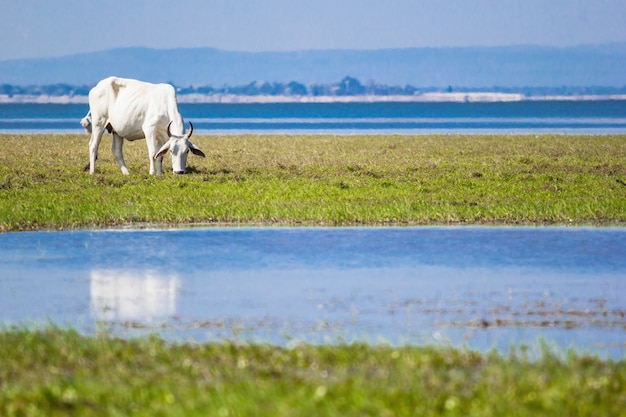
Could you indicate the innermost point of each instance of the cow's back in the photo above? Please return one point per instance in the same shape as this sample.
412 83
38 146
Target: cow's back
131 104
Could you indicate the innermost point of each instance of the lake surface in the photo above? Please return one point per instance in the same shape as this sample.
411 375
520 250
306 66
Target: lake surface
585 117
481 287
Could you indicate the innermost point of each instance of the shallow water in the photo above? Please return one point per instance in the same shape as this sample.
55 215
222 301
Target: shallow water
483 287
573 117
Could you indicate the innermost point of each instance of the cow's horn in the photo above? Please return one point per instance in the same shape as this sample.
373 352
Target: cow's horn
168 130
190 130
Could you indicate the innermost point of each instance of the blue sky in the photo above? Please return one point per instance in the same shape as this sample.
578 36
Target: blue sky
37 28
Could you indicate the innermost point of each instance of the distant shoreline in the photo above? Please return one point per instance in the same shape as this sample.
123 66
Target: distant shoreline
434 97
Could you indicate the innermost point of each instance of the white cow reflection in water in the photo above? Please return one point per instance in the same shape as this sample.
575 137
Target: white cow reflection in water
142 296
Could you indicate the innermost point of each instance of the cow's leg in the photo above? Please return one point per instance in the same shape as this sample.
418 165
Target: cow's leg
94 143
156 166
158 162
116 148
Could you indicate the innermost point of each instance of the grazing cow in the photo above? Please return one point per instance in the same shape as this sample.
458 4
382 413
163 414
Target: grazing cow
131 110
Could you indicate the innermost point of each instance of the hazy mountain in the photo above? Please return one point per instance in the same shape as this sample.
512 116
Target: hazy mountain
512 66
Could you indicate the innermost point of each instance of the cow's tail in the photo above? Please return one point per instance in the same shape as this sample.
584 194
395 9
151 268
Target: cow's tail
86 122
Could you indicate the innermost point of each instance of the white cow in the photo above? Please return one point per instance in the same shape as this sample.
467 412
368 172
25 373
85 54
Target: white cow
132 109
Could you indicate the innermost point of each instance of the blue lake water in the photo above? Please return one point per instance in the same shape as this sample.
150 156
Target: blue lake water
481 287
584 117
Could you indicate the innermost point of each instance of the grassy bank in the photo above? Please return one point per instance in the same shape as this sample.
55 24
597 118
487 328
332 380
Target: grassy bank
53 372
321 179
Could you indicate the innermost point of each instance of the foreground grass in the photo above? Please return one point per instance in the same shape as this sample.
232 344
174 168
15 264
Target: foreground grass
53 372
321 179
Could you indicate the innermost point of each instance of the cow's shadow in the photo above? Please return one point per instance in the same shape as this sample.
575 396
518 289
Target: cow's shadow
192 170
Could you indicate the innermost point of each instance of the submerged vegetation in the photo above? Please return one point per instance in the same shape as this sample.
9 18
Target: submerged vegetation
53 372
321 179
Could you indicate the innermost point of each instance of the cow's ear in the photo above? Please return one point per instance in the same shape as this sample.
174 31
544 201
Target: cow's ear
163 150
195 150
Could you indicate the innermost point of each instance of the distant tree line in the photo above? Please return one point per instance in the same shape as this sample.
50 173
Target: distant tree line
45 90
348 86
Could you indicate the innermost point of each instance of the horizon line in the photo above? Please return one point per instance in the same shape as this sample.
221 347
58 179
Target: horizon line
304 50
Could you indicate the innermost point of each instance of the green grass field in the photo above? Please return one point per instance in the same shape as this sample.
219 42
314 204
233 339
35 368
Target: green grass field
329 180
54 372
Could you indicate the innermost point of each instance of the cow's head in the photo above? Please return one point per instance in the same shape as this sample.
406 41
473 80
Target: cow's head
179 147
